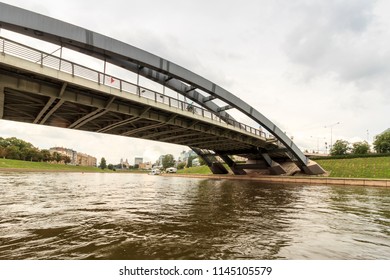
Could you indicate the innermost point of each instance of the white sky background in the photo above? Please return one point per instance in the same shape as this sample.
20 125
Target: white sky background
303 64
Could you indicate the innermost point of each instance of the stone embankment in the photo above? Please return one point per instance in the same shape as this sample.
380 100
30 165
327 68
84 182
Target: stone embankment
296 180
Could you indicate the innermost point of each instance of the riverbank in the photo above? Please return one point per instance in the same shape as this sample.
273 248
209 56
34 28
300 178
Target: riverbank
204 172
28 166
293 179
351 168
10 165
363 167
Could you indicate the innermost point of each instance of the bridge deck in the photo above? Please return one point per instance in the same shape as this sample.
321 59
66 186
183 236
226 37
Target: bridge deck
44 89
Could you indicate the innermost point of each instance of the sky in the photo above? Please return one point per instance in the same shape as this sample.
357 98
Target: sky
317 69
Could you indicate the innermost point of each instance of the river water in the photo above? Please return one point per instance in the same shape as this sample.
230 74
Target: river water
131 216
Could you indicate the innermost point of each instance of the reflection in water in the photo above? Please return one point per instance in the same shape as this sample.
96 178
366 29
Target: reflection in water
127 216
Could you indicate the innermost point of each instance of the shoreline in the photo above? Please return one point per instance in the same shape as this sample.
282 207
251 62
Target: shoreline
369 182
31 170
39 170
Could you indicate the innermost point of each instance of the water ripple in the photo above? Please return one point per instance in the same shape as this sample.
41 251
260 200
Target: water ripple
127 216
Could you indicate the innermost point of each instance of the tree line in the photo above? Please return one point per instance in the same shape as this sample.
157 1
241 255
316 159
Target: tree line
14 148
381 145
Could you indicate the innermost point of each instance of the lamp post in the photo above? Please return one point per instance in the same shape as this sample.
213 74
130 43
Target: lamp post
331 134
318 142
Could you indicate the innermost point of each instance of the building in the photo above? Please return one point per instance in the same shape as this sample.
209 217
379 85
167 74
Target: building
75 157
160 160
124 164
65 152
185 155
138 160
86 160
145 165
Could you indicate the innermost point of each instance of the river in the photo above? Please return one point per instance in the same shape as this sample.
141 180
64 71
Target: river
133 216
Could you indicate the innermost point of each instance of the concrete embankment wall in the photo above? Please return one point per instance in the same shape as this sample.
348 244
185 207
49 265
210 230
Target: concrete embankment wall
297 180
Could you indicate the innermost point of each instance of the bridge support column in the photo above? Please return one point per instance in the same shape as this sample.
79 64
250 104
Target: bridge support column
233 166
274 167
215 166
2 97
218 168
313 168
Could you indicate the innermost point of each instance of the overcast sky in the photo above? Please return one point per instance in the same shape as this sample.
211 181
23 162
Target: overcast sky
305 65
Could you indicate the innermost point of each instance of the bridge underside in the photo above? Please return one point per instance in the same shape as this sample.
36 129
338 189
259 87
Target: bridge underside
31 97
52 99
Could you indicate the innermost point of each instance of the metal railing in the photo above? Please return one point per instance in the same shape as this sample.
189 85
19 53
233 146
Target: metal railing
15 49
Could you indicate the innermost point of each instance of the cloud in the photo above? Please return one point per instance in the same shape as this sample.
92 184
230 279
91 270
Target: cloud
343 38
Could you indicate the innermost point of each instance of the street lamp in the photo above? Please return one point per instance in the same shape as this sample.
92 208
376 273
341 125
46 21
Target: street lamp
318 142
331 132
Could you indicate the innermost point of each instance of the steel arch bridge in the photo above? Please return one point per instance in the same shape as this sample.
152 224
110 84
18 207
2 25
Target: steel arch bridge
225 139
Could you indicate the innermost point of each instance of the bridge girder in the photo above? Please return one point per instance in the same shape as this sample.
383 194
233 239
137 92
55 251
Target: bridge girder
146 64
91 110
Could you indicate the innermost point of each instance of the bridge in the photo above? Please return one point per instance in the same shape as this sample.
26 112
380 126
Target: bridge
44 88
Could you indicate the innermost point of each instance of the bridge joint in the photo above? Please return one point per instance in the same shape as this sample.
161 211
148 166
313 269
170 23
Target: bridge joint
208 98
224 108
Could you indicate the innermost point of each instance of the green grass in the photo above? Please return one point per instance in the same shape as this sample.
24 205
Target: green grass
375 167
27 165
203 169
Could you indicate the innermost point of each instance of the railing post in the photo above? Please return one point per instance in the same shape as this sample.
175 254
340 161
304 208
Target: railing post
41 59
59 66
120 85
3 46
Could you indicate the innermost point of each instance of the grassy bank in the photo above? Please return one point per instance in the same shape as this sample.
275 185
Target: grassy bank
44 166
204 169
374 167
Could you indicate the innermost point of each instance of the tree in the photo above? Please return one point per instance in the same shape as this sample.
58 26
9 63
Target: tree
382 142
201 161
189 160
181 165
103 163
3 148
110 166
168 161
3 152
360 148
339 148
46 156
67 159
13 152
57 157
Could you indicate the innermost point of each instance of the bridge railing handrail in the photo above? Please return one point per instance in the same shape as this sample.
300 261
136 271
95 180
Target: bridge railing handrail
16 49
